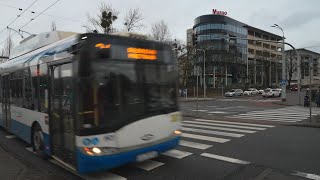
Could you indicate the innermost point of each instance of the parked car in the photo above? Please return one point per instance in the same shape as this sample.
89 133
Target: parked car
271 93
251 91
261 91
234 92
294 87
278 89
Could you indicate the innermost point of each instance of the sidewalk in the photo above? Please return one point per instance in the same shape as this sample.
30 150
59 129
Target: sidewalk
13 169
10 168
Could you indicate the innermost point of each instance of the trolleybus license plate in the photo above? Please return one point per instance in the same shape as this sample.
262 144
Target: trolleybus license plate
145 156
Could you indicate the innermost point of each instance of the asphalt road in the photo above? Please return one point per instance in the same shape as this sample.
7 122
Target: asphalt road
227 106
209 149
253 108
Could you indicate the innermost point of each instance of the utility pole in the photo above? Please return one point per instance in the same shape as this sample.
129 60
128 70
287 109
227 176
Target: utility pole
204 71
310 92
284 85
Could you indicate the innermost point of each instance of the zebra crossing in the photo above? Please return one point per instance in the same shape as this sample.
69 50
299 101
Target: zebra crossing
288 115
213 131
197 134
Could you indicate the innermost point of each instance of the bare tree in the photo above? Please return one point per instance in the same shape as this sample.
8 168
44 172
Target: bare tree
6 50
8 46
185 56
2 57
291 65
185 65
160 31
102 22
53 26
133 19
265 67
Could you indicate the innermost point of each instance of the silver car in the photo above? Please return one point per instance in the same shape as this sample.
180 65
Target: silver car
234 92
251 91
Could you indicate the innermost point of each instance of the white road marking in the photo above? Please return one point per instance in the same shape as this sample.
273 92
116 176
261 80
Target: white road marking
205 138
213 132
200 110
276 115
217 112
226 125
218 128
307 175
177 153
281 113
194 145
30 149
149 165
223 158
10 136
237 123
226 107
277 118
268 119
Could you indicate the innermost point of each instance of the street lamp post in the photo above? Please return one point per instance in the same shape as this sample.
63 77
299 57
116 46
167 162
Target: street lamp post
283 93
204 71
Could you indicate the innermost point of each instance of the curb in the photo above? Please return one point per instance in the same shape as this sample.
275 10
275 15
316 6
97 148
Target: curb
317 125
282 104
198 100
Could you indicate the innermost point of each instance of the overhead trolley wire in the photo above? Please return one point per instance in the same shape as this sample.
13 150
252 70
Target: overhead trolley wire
31 20
18 16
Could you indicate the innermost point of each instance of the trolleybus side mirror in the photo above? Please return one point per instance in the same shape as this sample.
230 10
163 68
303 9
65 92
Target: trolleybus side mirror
74 48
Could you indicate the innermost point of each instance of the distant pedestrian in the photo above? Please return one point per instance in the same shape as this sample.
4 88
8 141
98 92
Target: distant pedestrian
180 93
185 93
308 92
307 98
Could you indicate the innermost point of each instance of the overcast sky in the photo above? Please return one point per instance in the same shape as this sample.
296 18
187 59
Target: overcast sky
300 19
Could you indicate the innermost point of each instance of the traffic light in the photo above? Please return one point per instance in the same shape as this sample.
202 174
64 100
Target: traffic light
194 39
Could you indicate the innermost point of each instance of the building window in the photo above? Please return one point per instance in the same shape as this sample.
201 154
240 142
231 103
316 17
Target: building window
258 35
251 51
266 45
265 37
259 53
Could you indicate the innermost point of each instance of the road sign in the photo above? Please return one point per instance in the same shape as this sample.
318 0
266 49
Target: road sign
284 82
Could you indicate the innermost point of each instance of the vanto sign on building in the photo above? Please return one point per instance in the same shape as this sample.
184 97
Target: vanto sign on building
215 11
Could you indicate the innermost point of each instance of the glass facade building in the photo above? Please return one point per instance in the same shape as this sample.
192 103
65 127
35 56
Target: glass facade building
223 40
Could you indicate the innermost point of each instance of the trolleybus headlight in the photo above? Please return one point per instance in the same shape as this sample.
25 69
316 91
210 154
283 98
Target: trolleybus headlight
96 150
88 151
177 132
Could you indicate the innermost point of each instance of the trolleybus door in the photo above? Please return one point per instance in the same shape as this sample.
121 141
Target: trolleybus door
61 119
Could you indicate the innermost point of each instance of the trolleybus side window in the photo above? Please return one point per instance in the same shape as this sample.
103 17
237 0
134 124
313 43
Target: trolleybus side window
35 88
16 88
43 89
